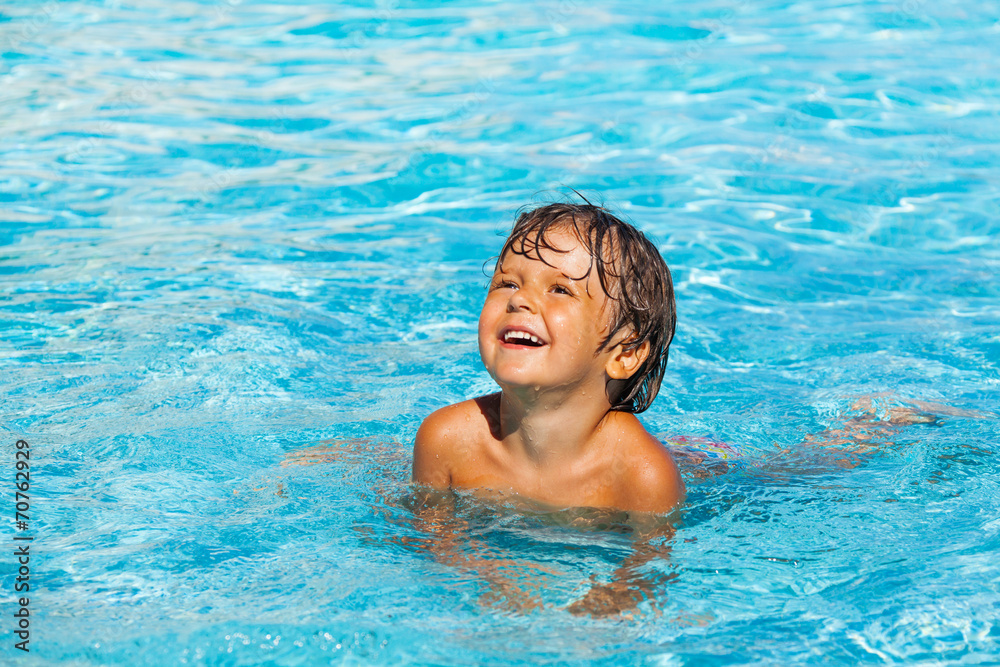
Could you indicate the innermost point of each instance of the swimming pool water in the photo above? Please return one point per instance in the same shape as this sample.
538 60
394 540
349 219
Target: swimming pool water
232 230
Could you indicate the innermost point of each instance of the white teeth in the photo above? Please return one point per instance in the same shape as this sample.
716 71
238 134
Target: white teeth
510 335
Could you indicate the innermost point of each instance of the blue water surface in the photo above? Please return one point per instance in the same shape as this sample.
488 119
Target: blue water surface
232 231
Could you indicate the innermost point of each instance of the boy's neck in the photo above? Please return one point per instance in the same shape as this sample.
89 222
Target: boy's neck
550 430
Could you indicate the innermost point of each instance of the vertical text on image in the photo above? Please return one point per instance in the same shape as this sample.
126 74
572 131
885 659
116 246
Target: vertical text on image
22 543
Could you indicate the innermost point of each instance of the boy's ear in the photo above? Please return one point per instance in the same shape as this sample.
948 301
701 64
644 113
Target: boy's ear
625 362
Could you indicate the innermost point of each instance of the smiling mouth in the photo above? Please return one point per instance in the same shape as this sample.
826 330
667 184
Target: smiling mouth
522 338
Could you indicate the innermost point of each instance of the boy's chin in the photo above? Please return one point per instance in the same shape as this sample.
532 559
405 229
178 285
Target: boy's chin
516 383
513 383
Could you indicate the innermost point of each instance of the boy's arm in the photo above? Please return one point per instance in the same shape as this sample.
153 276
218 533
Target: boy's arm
629 586
658 484
449 540
430 451
653 481
653 490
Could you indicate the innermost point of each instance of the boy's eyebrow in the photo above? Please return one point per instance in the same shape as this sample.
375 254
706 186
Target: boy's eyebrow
584 279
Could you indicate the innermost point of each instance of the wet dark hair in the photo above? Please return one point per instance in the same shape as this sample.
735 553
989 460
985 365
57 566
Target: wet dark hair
631 272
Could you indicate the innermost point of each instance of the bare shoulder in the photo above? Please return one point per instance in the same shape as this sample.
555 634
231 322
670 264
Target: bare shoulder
652 482
443 436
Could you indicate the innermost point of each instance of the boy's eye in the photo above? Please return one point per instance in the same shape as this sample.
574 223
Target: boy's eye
502 284
559 289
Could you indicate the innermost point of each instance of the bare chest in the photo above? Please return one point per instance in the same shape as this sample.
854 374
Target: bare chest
492 473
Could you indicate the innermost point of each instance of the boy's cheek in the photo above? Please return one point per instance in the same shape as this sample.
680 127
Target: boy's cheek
488 315
487 352
484 332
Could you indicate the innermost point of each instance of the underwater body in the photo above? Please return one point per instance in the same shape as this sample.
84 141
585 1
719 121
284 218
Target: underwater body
244 246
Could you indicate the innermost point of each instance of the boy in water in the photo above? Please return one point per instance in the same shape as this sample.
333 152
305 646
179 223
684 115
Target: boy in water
575 330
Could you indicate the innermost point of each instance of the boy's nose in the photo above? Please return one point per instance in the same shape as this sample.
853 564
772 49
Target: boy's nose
521 300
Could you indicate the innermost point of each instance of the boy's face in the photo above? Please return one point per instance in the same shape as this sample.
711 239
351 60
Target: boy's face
541 324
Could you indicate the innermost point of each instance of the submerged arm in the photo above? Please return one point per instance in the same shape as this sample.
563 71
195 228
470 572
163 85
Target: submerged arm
511 582
629 586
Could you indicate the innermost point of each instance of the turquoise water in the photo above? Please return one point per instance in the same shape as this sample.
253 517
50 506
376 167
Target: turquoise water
230 231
